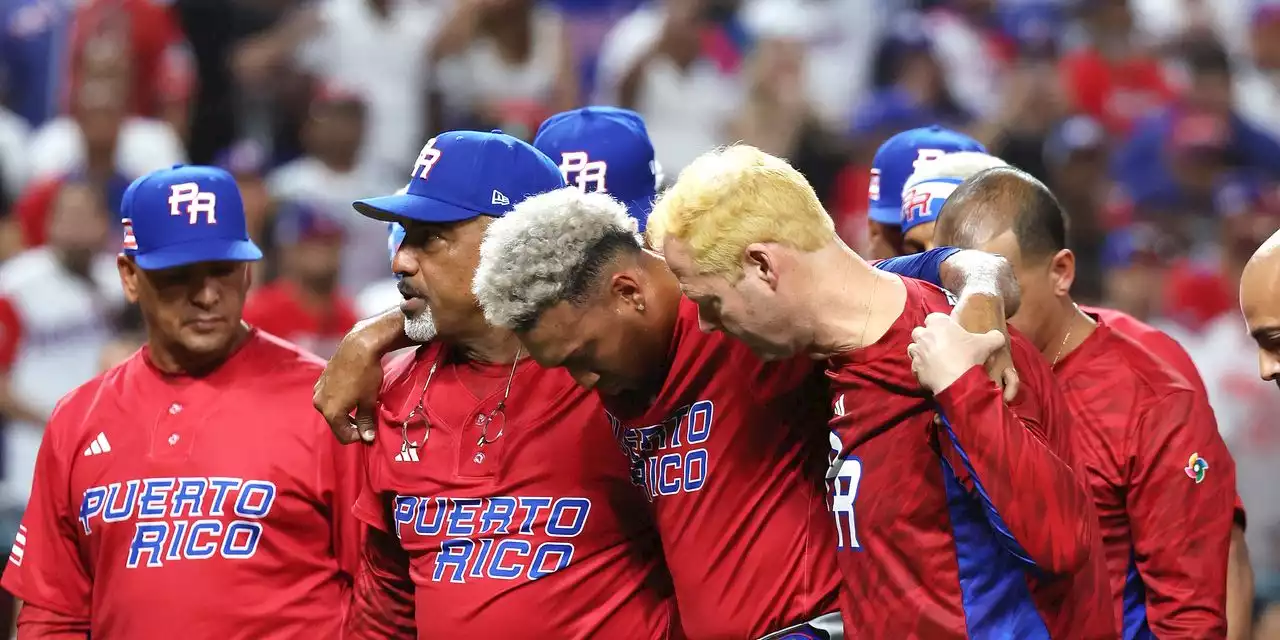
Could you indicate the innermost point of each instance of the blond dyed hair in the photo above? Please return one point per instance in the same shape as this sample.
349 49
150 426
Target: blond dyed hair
732 197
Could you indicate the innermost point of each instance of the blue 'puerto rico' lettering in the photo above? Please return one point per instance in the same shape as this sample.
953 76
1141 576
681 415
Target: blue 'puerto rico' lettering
487 537
665 458
182 518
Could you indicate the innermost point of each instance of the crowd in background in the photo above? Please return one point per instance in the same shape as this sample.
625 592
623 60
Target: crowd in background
1156 122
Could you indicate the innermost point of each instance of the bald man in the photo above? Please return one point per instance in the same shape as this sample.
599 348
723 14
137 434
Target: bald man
1161 476
1260 302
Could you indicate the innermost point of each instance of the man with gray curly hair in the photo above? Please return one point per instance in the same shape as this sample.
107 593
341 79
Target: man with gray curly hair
720 440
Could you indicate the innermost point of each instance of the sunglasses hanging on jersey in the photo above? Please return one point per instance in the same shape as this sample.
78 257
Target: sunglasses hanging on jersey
497 414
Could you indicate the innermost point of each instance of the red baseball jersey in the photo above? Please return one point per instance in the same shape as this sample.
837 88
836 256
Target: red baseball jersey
732 454
167 504
538 534
974 528
1164 347
1163 483
278 308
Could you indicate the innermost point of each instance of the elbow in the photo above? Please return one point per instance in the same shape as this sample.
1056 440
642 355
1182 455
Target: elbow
1009 289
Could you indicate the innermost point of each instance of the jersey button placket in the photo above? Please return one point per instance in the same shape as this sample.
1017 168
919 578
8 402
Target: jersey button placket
170 437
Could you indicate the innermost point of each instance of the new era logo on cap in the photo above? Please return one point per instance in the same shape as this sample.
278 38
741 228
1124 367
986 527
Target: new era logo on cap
185 215
604 149
460 175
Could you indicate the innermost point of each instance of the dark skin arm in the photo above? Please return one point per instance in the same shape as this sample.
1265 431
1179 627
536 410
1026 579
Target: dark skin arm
353 376
987 294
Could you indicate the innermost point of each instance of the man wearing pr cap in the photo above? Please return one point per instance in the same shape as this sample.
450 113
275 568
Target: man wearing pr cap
152 515
894 162
468 429
605 149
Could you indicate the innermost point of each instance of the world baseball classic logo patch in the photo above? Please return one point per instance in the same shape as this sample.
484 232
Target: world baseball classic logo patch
1196 468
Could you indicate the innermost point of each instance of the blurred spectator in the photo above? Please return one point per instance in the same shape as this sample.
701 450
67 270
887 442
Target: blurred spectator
842 39
912 90
330 178
128 334
246 161
1257 76
1171 23
777 116
13 157
100 136
56 306
506 64
1033 102
161 71
1178 157
1075 161
383 293
1113 78
380 50
972 51
667 61
303 305
33 36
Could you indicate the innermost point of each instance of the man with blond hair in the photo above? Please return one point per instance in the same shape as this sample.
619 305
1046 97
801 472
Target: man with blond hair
933 520
718 439
927 189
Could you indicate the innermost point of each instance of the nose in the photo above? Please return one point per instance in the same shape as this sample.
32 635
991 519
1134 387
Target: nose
207 293
402 262
1269 365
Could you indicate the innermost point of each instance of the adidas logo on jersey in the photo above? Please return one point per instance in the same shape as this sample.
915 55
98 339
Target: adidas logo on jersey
98 446
838 410
407 454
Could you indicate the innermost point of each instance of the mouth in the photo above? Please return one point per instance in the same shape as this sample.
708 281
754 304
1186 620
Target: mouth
206 324
414 302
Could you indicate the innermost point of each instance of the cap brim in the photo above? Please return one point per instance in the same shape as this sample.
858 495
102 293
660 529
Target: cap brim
398 208
196 251
885 215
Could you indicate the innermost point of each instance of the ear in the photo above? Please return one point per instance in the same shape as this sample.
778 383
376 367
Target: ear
128 277
1062 272
625 287
760 261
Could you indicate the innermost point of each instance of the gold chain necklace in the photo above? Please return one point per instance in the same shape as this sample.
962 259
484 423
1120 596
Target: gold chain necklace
499 411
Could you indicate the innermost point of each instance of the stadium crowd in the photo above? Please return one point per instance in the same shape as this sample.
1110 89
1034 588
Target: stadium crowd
1155 122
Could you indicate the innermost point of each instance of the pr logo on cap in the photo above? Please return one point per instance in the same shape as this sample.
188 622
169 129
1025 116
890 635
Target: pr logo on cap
197 201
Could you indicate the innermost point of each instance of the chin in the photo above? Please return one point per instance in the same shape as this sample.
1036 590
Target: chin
208 343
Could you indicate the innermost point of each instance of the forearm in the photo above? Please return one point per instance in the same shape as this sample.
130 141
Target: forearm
968 273
383 333
1009 465
1240 590
37 623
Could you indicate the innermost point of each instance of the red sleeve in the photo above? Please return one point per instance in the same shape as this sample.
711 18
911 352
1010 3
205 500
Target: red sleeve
346 481
1181 481
10 334
1006 456
36 623
45 568
383 603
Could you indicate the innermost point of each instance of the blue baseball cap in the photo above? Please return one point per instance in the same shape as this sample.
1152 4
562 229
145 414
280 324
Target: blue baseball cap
923 202
460 175
896 160
300 221
184 215
604 149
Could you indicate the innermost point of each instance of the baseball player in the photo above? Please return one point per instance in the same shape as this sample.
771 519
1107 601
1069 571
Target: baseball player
719 439
152 516
497 502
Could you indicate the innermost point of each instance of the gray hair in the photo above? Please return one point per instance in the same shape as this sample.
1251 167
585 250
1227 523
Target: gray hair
552 247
